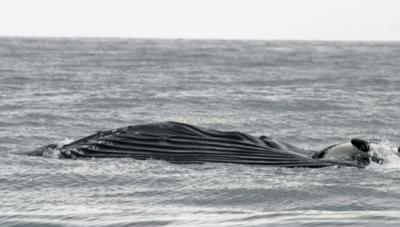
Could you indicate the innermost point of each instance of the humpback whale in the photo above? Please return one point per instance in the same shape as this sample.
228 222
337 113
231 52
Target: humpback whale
188 144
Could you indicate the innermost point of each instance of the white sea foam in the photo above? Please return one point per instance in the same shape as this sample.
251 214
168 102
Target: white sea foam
55 152
51 153
64 142
386 151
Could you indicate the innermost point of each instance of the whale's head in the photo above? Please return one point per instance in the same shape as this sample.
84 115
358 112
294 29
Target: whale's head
41 151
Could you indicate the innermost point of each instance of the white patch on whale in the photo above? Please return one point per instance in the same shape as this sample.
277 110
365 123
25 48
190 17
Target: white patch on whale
342 152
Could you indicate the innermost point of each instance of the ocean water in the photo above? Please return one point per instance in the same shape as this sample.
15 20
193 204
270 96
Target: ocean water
309 94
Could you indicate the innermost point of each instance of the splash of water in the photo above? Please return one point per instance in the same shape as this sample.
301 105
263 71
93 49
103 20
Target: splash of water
55 152
386 151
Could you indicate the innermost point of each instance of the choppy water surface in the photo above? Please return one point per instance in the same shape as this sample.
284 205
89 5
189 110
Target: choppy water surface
310 94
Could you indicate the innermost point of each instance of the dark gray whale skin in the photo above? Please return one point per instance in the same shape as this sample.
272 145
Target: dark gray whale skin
188 144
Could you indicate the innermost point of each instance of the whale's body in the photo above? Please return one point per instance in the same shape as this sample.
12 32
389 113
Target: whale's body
187 144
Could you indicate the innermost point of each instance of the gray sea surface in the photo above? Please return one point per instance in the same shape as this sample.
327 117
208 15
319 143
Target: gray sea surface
309 94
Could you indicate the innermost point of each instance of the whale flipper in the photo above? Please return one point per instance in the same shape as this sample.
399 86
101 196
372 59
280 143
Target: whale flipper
362 145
